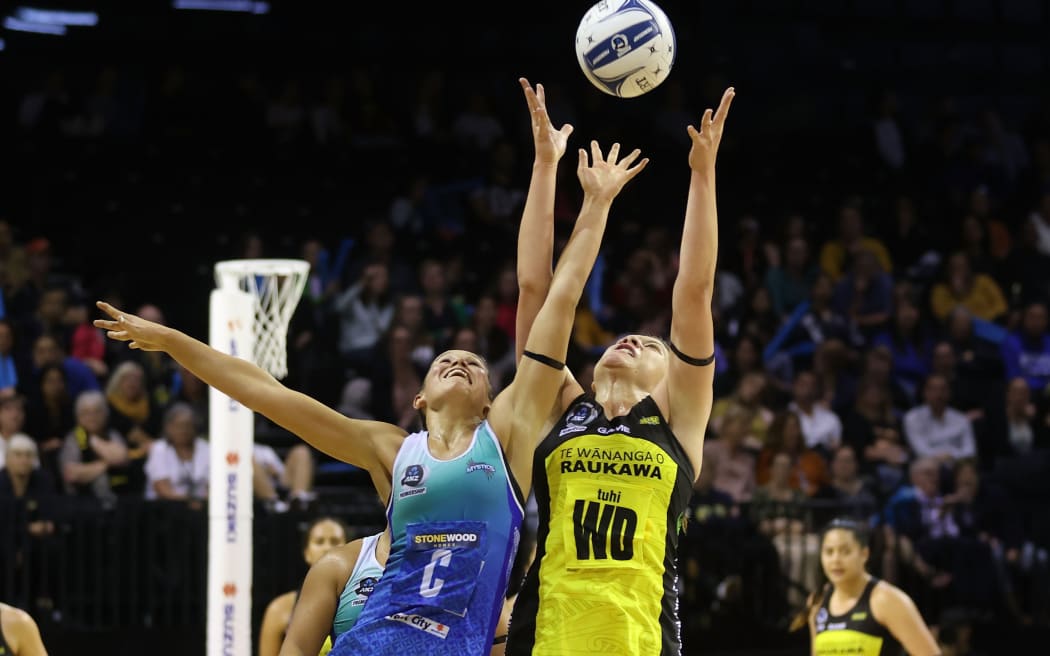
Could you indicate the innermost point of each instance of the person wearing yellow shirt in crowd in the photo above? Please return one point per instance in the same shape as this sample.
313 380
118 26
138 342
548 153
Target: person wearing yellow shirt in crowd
836 254
977 292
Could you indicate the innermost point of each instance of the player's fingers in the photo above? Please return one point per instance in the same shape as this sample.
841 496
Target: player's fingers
723 107
692 132
614 153
706 121
596 153
636 169
630 158
566 130
119 335
541 95
583 160
108 309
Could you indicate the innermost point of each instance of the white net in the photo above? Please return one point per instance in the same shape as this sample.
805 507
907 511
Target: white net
277 286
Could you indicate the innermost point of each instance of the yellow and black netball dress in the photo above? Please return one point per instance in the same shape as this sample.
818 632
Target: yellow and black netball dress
855 632
611 494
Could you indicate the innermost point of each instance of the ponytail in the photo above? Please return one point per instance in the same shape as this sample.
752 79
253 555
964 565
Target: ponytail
812 601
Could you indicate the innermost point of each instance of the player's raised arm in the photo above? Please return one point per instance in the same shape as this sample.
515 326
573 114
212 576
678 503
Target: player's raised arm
370 445
536 232
541 372
690 376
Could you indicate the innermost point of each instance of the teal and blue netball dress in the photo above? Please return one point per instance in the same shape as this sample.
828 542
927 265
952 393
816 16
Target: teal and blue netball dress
358 588
455 527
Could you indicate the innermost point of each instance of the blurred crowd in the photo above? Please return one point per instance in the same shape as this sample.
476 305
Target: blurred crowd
883 350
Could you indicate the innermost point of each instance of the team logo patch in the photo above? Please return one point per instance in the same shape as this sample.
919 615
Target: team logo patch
584 413
651 420
413 475
421 623
821 619
365 586
481 466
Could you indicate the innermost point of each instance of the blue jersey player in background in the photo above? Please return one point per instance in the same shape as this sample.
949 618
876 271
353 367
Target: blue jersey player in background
454 509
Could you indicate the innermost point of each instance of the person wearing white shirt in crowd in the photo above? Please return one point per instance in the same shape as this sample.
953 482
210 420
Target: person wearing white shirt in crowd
177 467
821 428
936 430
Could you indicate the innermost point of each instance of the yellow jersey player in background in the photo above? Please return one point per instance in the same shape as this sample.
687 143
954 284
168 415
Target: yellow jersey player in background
857 613
615 469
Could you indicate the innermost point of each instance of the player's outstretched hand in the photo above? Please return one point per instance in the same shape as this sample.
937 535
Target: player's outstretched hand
124 327
705 140
550 143
606 175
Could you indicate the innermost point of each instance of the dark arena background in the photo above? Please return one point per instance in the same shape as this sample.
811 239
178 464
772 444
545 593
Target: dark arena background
391 141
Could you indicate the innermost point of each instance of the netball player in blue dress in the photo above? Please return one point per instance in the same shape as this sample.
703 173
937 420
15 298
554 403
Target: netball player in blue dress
454 508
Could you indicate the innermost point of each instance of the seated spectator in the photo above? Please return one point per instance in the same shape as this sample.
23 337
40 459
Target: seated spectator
12 420
274 479
850 493
875 433
914 517
94 457
365 312
86 343
960 286
778 509
851 239
1013 430
732 463
910 345
821 428
178 464
745 357
1026 352
22 478
789 283
745 399
132 411
9 364
864 295
937 430
971 377
807 469
79 377
49 416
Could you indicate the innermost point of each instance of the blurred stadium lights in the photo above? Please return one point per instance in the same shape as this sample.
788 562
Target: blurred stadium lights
57 17
242 6
18 25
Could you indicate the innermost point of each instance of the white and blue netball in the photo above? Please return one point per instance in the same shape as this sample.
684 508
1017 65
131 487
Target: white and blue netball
625 47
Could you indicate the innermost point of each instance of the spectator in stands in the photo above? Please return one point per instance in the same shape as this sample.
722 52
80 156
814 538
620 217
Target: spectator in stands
745 358
961 286
745 399
821 428
10 366
976 370
807 468
910 344
365 312
274 479
86 342
836 253
12 420
132 411
864 295
915 521
789 283
875 433
178 464
778 509
79 377
937 430
850 493
731 462
49 416
22 478
1026 352
94 457
1014 430
159 368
